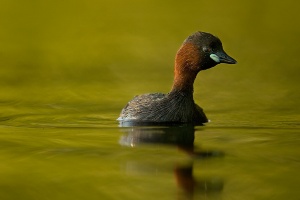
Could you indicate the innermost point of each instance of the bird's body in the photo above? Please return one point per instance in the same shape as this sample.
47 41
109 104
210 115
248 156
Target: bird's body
158 107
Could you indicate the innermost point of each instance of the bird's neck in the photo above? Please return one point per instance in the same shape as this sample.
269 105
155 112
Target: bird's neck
183 81
186 68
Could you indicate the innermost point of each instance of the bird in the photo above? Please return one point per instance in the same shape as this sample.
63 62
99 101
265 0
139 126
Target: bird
199 51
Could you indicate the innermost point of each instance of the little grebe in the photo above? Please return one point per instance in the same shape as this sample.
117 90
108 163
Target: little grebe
199 51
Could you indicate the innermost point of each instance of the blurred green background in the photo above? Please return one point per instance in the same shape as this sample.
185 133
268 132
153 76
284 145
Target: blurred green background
109 51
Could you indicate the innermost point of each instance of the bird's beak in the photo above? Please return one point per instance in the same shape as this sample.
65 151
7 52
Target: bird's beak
222 57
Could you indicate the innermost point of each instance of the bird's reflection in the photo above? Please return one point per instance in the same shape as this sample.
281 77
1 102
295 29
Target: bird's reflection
182 136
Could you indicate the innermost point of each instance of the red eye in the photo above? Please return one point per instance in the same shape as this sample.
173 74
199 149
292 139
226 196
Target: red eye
206 49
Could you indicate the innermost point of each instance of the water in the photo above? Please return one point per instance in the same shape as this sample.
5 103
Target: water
68 68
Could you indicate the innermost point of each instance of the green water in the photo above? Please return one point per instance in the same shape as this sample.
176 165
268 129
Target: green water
68 68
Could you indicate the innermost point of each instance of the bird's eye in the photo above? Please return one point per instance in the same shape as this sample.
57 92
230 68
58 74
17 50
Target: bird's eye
206 49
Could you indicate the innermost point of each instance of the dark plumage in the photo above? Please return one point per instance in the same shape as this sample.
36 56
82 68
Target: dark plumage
199 51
